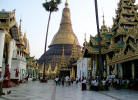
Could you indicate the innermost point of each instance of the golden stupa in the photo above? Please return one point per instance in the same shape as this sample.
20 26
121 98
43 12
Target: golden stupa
66 38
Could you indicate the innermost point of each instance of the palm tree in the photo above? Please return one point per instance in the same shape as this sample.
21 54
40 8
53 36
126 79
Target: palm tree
100 64
50 6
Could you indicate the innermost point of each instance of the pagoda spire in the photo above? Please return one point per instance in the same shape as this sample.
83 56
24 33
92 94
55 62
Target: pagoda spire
103 20
20 25
104 28
66 4
85 41
66 20
85 37
65 34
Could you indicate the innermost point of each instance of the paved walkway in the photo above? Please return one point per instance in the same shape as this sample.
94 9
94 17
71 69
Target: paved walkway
48 91
123 94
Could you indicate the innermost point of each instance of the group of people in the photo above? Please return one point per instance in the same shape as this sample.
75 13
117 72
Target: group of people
109 82
64 81
95 84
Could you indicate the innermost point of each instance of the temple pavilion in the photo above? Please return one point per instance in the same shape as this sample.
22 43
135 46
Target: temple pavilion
119 44
14 50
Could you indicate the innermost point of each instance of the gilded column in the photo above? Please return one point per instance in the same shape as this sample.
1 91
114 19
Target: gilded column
2 39
133 71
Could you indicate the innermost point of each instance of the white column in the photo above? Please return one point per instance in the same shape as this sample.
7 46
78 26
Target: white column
115 70
133 71
94 69
108 71
2 39
11 48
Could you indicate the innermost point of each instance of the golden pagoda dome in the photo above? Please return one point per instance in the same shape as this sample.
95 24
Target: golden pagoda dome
65 34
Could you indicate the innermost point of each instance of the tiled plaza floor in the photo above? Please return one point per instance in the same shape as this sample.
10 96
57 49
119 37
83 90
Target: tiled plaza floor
48 91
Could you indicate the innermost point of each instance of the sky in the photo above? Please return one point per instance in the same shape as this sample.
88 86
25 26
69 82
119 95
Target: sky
34 19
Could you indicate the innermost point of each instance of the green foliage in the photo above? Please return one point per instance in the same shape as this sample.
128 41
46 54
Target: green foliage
51 5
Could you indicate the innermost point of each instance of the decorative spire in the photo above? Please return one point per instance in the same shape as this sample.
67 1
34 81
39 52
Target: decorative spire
103 19
20 25
85 41
66 4
85 37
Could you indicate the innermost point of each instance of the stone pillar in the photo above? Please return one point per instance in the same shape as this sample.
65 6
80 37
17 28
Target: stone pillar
108 71
115 70
133 70
2 39
120 74
94 69
10 51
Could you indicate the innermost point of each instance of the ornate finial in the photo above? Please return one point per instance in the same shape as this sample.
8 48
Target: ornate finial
20 21
85 37
103 20
20 25
85 40
66 4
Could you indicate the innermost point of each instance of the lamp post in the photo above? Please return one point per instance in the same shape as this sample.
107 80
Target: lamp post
100 65
49 6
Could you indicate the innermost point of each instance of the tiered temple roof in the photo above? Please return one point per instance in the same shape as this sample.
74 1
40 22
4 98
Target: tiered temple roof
119 42
8 23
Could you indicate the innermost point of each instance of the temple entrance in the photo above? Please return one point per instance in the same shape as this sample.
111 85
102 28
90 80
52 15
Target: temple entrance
75 68
136 72
136 69
64 73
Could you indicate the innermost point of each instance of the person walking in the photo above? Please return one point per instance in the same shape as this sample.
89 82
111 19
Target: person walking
62 81
84 84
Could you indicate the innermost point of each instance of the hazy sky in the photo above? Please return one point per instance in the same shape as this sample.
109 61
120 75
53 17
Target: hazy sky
34 19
